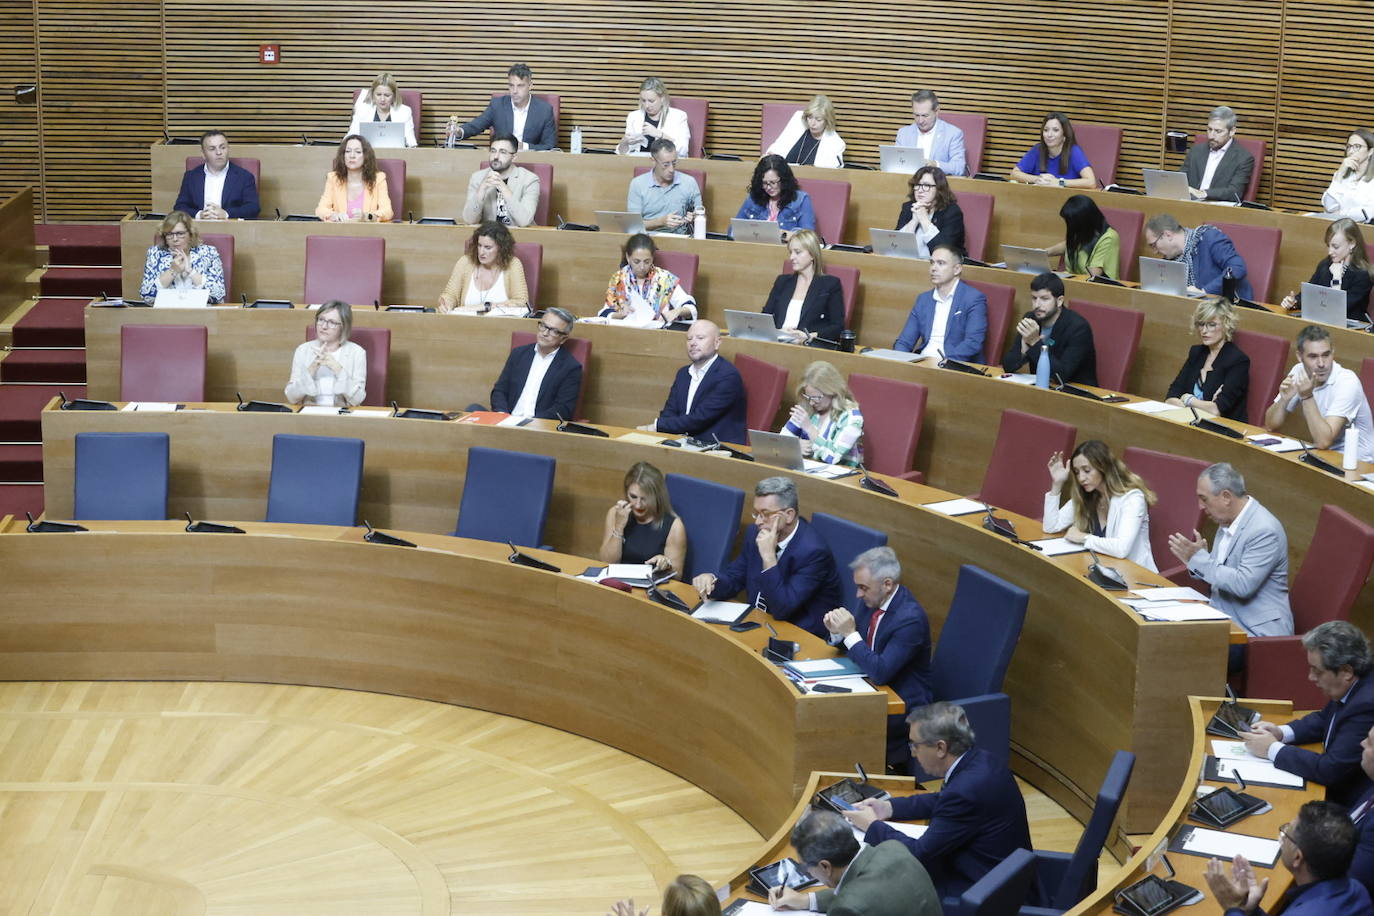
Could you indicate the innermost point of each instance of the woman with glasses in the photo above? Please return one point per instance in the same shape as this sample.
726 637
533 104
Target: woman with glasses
331 370
774 195
807 304
180 261
641 527
1346 266
1090 246
354 188
642 294
1351 192
931 212
826 417
488 279
1057 159
1108 509
1215 379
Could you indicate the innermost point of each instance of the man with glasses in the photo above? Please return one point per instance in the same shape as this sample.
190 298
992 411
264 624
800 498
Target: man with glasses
503 191
219 189
707 399
1317 848
541 380
978 817
939 141
880 880
1339 662
668 200
1208 253
949 319
784 568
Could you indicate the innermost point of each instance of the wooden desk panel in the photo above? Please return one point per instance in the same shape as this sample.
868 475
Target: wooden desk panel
314 605
17 259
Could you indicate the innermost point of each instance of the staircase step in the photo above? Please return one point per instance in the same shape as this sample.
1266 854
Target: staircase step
81 281
21 405
52 367
74 243
16 498
21 463
53 323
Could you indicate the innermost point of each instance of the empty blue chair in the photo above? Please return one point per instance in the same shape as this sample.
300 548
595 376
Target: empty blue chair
1070 878
711 514
846 541
1001 891
976 644
121 476
315 480
506 497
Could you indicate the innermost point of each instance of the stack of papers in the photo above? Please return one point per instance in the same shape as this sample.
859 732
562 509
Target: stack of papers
1055 547
317 410
1253 770
1176 611
148 407
754 908
899 355
827 471
817 669
1219 844
1168 594
369 411
957 506
1020 378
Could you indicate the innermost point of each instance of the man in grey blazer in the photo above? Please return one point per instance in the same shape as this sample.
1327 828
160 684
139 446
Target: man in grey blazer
1247 566
1219 169
502 191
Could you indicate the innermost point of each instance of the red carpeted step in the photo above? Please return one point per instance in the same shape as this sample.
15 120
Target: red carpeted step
53 323
20 406
70 243
16 499
50 366
21 463
80 281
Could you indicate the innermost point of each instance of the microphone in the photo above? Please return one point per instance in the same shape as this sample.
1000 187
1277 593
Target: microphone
732 452
1106 577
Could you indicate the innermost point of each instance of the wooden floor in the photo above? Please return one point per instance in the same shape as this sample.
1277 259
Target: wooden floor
191 798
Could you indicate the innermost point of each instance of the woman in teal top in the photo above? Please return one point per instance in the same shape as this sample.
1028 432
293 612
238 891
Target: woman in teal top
1090 246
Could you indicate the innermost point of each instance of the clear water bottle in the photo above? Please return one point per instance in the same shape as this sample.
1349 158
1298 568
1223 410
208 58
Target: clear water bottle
577 140
451 133
1042 367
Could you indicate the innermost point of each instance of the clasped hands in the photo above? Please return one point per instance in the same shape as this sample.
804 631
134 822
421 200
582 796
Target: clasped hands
1029 329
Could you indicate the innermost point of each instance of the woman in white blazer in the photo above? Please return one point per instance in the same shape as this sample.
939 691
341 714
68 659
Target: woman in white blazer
382 102
1108 508
655 117
809 137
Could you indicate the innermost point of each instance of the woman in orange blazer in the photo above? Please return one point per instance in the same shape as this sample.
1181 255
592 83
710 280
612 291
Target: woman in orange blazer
354 189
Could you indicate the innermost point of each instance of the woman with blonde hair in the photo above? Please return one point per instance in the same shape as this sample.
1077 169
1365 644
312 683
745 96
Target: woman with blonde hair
1108 506
641 527
1215 378
1346 267
807 304
179 261
827 418
688 895
809 137
655 117
381 101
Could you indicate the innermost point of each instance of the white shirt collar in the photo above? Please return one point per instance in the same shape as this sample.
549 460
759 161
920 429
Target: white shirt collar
705 367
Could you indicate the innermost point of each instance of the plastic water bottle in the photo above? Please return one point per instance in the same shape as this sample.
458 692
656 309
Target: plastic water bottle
699 225
1042 367
577 140
451 134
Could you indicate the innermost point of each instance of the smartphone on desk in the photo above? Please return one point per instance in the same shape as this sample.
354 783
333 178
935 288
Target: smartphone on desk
744 626
830 688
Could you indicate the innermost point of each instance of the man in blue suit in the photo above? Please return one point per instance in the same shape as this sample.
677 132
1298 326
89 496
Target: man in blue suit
1208 252
978 817
941 141
707 398
541 379
219 189
520 114
1339 662
1362 813
1317 847
951 317
784 567
889 640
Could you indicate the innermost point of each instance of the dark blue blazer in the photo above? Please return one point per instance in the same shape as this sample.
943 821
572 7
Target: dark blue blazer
900 654
977 819
1215 252
541 130
239 200
557 392
800 588
964 332
718 409
1338 766
1362 866
1343 896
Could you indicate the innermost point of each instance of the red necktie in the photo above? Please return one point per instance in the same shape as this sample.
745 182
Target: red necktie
873 624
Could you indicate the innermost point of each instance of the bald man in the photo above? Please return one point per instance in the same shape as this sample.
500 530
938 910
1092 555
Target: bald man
707 398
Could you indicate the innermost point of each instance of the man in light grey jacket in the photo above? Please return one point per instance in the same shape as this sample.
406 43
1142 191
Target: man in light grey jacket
503 192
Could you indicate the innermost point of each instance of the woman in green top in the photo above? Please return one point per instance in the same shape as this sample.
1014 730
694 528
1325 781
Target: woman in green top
1090 246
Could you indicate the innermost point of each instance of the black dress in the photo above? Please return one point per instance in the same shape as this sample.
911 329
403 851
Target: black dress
645 541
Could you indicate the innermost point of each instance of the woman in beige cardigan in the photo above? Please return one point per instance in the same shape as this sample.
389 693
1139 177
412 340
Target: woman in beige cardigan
488 279
355 190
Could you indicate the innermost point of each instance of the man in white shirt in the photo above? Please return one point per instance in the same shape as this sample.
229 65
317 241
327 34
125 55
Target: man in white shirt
522 115
503 191
218 189
541 379
707 399
951 318
939 141
1219 169
1330 396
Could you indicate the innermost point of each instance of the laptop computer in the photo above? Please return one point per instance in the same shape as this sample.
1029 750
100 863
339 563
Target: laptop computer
188 298
756 230
894 243
776 449
1026 260
1160 276
1324 304
384 134
619 221
1166 184
752 326
905 160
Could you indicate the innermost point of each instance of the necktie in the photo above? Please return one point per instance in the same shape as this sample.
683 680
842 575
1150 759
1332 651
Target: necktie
873 625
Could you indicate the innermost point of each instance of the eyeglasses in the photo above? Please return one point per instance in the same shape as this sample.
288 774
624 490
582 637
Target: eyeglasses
772 182
764 514
1354 146
815 398
1285 835
328 323
925 186
176 234
549 329
1208 325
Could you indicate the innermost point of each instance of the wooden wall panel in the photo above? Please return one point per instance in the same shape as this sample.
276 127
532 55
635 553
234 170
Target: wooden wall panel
18 123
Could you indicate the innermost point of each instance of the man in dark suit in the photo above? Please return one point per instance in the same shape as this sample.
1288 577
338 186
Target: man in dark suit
882 880
784 567
950 318
1219 169
1362 813
978 817
520 114
1050 324
1339 662
889 640
1316 847
707 398
541 379
219 189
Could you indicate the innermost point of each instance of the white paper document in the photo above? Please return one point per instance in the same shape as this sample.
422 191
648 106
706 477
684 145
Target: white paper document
1148 406
148 407
912 830
1223 845
754 908
1266 442
720 611
369 411
826 471
1170 595
1055 547
512 421
899 355
1179 612
320 411
820 667
1226 749
1020 378
957 506
1257 770
853 683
